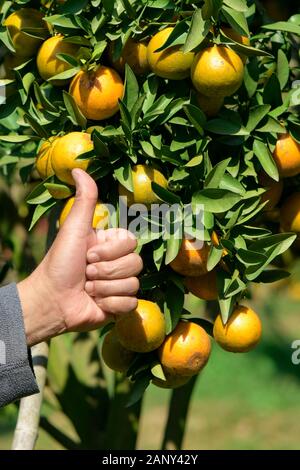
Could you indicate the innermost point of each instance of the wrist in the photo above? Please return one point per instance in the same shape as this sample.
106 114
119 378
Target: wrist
40 313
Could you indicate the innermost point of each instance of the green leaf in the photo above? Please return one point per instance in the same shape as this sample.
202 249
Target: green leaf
272 246
226 308
250 257
165 195
38 129
173 306
198 31
215 256
272 126
40 211
124 176
177 36
239 5
75 115
196 117
131 93
173 246
66 74
17 139
272 275
272 92
215 200
157 371
138 389
225 127
265 158
257 113
216 174
283 26
236 19
196 161
283 70
100 147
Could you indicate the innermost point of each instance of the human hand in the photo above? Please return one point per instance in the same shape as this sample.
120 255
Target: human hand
56 298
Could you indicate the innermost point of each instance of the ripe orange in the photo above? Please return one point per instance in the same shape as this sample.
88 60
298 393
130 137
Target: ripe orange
44 158
101 215
186 350
172 381
65 153
210 105
114 355
142 177
204 287
242 331
287 155
273 192
290 214
191 261
48 64
237 37
97 93
143 329
25 18
170 63
217 71
134 54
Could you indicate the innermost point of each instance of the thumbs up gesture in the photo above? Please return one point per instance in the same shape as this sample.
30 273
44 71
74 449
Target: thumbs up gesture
85 277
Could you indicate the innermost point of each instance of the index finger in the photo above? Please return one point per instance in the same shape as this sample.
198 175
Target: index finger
112 248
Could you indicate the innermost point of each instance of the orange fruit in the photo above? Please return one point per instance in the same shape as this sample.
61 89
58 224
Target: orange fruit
172 381
143 329
170 63
204 287
287 155
100 219
9 64
242 331
210 105
134 54
142 177
237 37
97 93
48 64
186 350
191 261
65 153
44 158
114 355
26 18
217 71
290 214
273 191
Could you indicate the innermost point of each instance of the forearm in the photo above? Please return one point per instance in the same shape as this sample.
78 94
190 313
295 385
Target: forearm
16 375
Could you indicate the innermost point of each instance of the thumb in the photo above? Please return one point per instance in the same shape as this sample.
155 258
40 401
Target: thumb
81 215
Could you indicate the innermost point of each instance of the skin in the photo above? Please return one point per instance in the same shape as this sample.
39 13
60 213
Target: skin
94 278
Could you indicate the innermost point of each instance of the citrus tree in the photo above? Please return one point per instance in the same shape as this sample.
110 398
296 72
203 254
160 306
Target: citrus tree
185 113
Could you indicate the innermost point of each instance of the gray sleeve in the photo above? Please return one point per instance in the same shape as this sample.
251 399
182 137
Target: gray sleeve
17 379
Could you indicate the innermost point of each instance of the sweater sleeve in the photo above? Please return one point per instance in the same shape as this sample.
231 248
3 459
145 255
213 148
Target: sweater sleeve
17 378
